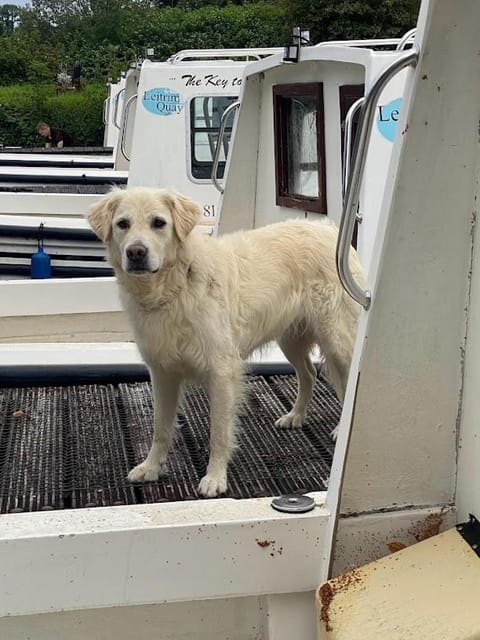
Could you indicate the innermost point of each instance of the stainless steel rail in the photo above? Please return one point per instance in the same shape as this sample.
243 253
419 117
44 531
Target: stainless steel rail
216 156
406 39
350 205
105 110
125 126
373 42
115 112
224 54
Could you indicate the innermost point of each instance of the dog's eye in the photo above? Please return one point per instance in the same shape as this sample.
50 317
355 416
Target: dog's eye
158 223
123 224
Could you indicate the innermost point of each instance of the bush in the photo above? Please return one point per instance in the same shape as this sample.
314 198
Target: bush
13 66
78 112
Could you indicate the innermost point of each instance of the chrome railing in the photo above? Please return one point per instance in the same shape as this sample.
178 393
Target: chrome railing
105 110
125 126
350 205
221 133
115 111
224 54
406 39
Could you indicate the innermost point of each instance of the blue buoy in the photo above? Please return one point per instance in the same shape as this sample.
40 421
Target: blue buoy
40 266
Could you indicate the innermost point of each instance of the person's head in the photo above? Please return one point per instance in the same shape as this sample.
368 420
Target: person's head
43 129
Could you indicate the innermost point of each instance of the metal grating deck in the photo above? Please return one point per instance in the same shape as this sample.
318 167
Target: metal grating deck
71 447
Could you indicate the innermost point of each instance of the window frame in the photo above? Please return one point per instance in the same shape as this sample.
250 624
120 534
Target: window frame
285 198
348 94
192 163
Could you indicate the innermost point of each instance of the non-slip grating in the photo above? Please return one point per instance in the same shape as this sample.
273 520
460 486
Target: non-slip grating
71 447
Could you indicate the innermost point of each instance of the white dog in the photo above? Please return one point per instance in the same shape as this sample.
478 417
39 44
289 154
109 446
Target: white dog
200 305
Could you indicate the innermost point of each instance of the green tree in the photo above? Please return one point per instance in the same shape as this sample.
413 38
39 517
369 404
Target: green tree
9 19
351 20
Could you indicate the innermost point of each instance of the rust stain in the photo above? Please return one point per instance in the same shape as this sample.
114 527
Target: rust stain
329 590
264 543
346 580
326 597
430 526
395 546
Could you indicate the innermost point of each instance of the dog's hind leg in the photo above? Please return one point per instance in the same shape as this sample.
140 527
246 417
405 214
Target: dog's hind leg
166 397
337 347
296 350
225 384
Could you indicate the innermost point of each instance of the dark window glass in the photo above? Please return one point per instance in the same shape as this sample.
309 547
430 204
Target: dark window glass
205 116
348 95
299 146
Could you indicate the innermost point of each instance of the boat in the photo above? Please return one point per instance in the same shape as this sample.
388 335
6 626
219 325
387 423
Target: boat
405 464
56 189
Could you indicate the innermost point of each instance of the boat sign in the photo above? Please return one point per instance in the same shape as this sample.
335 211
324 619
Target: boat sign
387 118
162 101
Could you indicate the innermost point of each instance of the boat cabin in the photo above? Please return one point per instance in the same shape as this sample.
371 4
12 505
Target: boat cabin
406 463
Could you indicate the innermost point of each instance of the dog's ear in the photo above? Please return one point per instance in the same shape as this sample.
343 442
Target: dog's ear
100 215
185 213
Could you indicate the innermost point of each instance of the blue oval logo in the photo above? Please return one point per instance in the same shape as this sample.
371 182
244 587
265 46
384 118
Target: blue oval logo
387 118
163 101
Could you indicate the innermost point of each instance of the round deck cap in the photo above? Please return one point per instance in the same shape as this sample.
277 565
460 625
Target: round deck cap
293 504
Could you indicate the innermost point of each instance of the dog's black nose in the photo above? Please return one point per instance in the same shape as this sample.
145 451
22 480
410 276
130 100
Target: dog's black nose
136 252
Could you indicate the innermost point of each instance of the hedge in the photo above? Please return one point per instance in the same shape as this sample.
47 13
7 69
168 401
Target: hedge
78 112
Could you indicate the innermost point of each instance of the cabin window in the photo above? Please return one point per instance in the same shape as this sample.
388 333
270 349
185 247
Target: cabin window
348 95
205 115
300 146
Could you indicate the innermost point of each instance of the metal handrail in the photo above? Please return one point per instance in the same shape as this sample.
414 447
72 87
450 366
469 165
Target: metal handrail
197 54
106 103
406 39
373 42
347 142
125 126
359 155
115 111
216 156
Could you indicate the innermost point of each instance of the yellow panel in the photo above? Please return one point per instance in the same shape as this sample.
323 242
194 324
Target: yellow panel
429 591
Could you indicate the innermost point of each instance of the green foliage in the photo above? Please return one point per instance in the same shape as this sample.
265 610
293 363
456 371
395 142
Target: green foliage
13 66
350 20
9 18
78 112
105 35
253 25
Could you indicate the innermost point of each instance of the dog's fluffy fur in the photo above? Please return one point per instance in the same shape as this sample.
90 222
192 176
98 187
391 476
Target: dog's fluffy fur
200 305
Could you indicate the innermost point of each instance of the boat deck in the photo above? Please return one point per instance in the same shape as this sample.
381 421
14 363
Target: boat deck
72 446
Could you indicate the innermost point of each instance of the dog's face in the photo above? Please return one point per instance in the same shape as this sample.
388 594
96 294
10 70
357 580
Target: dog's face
142 227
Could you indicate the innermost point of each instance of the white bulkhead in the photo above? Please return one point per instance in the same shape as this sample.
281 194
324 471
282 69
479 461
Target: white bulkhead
112 111
340 74
178 111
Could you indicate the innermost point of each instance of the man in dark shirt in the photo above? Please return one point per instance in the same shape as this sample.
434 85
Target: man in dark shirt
54 137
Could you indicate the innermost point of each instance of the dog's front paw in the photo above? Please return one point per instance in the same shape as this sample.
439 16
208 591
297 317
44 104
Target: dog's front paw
213 485
289 421
146 472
